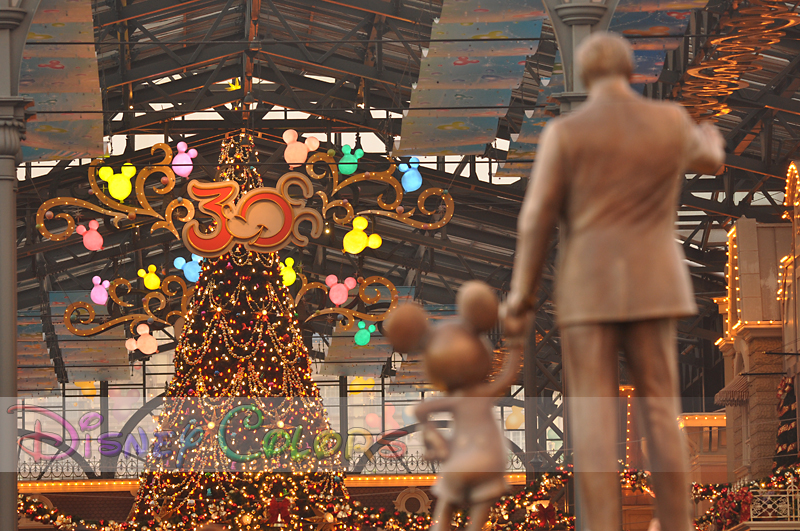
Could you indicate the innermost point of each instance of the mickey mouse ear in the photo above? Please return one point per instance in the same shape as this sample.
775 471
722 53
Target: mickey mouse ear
196 257
96 280
94 225
289 262
312 143
289 136
192 153
414 162
179 262
142 329
128 170
359 153
106 283
151 268
105 173
182 147
80 229
331 280
350 282
142 273
361 325
371 329
403 167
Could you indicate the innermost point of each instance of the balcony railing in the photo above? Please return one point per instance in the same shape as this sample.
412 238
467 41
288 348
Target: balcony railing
775 505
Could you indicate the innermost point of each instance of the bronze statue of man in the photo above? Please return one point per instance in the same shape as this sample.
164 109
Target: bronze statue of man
611 173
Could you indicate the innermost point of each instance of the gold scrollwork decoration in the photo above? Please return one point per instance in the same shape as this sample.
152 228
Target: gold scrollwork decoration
116 210
75 311
387 210
349 314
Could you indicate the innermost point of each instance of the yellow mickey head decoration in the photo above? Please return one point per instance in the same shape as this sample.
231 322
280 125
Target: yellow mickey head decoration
151 280
515 419
357 240
119 184
361 384
288 274
87 388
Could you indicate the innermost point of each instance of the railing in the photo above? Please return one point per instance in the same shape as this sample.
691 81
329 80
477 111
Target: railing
132 467
775 505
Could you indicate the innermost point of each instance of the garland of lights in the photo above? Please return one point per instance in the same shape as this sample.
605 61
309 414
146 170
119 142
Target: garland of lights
532 507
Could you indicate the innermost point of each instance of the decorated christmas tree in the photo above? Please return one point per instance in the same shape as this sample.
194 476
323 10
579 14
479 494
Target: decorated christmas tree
243 438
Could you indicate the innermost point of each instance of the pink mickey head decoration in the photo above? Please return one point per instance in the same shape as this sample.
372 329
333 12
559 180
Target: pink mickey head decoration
339 292
297 152
92 239
99 292
182 163
146 343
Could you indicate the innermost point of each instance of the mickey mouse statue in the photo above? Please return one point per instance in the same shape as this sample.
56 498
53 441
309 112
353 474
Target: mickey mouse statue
457 361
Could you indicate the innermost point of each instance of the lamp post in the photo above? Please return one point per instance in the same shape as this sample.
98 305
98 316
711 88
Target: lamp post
15 19
573 21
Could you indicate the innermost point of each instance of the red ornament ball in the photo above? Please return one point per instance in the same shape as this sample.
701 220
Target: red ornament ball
132 216
399 210
165 180
48 215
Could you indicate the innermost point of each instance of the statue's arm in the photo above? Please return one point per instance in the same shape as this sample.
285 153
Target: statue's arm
537 218
705 149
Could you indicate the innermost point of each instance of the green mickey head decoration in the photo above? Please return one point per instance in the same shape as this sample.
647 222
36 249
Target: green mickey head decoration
364 334
348 164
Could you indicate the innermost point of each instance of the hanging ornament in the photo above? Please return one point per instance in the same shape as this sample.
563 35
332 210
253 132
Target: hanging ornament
348 164
287 273
151 279
412 178
119 184
515 419
339 293
357 240
146 343
92 240
182 163
87 388
361 384
191 270
297 152
364 334
278 510
99 294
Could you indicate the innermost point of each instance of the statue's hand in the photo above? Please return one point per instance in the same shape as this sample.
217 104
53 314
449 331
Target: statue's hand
436 447
515 319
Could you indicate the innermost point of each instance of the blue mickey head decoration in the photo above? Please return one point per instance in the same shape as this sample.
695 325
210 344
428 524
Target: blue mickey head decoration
412 179
191 270
364 334
348 164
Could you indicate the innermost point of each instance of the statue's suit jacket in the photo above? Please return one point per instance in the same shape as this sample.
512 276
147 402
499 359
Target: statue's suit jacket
612 172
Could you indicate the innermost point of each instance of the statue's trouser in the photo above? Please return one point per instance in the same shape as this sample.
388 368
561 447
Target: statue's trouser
592 376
